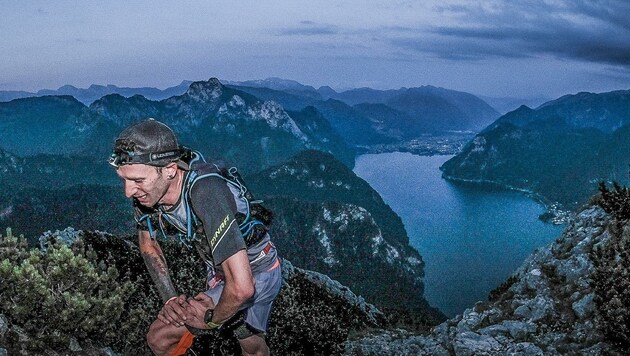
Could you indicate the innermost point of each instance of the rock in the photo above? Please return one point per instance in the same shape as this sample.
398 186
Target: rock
432 347
66 236
494 330
4 352
4 326
587 332
107 351
534 279
494 316
575 268
74 345
524 349
470 343
395 342
470 321
584 307
519 330
535 309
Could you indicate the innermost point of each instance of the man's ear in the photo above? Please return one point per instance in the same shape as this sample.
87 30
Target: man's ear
170 170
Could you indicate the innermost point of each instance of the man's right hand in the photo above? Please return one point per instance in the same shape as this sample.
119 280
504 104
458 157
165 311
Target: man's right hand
174 311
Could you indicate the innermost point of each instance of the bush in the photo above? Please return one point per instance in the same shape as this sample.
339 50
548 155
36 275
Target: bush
55 294
612 267
615 202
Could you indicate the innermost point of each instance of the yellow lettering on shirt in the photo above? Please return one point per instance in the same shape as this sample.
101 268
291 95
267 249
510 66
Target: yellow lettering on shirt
220 231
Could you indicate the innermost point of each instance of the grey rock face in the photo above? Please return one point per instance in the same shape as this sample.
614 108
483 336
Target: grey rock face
4 326
584 307
470 343
525 349
519 330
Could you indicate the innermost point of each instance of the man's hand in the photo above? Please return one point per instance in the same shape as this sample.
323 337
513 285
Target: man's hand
196 310
174 311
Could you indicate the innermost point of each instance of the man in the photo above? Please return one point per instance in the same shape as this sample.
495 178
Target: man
218 217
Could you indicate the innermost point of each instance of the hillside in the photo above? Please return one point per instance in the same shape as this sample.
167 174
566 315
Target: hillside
557 303
333 222
108 300
52 125
558 152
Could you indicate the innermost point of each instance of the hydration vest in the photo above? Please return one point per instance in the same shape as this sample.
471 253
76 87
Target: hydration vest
252 217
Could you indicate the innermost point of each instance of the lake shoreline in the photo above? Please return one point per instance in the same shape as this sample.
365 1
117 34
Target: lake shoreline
554 213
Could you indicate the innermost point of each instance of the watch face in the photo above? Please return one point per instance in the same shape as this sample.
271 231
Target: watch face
208 316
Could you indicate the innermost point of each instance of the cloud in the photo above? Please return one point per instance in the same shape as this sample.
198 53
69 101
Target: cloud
309 28
571 29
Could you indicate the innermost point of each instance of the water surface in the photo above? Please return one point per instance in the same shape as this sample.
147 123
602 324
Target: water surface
471 239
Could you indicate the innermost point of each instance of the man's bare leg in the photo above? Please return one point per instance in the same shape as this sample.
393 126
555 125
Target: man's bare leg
163 338
254 346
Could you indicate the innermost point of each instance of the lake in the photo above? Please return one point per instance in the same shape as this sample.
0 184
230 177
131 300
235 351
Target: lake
471 239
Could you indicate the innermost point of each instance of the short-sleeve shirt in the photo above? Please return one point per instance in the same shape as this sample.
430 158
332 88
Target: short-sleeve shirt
213 204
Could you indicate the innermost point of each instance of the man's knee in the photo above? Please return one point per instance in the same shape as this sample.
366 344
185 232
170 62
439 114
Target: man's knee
156 343
162 337
254 345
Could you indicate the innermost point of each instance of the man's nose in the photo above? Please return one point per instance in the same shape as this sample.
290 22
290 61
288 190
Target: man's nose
130 189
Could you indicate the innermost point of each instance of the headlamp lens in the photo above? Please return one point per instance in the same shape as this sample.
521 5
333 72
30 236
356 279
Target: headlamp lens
118 158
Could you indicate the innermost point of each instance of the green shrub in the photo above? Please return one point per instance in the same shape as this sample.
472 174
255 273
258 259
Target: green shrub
56 294
615 202
612 267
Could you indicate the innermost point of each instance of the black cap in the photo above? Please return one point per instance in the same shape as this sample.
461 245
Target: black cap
146 142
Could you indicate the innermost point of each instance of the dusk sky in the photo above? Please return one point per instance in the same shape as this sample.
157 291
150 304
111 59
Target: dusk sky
494 48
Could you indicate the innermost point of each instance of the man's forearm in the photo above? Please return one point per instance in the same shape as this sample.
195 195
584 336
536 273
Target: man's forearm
228 305
159 274
239 286
156 265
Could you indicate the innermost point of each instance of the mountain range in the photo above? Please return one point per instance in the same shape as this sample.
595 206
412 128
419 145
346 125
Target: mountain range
410 112
402 114
94 92
216 119
296 145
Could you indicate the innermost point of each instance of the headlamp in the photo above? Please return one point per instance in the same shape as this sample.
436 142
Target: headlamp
121 157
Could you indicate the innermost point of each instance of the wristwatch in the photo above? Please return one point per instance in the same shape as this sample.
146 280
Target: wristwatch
208 320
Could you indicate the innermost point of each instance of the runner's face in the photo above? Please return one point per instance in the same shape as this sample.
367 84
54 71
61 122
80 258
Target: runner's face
144 183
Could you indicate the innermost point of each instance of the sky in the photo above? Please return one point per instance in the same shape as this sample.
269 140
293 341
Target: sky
496 48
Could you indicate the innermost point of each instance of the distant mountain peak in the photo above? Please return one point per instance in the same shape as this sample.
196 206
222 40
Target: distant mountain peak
276 83
209 90
68 87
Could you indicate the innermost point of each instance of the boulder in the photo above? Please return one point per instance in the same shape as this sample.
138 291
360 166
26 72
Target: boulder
4 326
584 307
519 330
494 330
470 343
524 349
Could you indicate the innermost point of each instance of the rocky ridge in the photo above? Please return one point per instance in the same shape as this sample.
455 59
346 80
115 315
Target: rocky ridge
546 308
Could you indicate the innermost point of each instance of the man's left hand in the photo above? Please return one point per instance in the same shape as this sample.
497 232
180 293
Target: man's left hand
196 310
